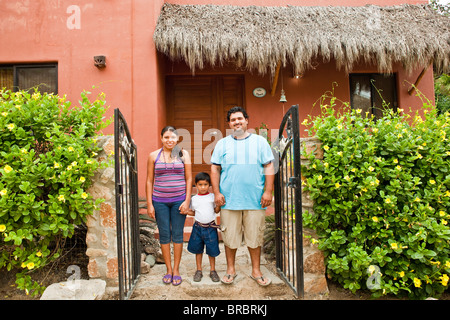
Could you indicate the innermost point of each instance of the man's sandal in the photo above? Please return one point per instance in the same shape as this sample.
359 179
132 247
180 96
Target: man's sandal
263 282
230 278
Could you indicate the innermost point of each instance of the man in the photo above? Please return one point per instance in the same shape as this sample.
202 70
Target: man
242 176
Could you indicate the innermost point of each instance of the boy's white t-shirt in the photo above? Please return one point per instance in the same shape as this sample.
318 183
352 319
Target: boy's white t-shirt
203 206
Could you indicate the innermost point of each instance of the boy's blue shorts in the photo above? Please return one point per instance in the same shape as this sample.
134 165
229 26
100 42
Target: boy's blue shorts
201 237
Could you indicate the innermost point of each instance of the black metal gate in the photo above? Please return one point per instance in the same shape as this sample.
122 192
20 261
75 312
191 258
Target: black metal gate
288 203
127 208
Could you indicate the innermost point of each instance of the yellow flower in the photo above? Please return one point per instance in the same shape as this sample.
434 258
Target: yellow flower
82 179
3 192
358 110
375 219
417 282
319 177
23 150
419 156
71 149
371 168
444 222
340 153
444 279
432 181
394 246
2 228
395 160
8 169
326 148
337 185
30 265
325 164
39 254
74 164
375 130
11 126
55 164
4 114
447 265
442 213
399 168
353 170
447 193
61 198
417 199
305 122
84 195
401 274
388 200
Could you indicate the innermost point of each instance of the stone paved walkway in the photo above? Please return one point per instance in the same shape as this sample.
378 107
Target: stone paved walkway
151 287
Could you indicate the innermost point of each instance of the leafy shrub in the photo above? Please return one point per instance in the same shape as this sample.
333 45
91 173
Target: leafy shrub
382 199
48 155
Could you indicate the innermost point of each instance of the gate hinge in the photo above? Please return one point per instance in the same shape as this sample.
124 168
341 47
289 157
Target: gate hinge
294 182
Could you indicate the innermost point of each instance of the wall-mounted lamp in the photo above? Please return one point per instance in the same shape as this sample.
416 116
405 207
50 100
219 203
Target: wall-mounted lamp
298 75
100 61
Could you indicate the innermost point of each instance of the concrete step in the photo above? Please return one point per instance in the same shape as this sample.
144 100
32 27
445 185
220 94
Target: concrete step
150 286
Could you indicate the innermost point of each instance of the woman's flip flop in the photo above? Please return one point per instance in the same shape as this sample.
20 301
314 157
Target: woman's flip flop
176 280
167 279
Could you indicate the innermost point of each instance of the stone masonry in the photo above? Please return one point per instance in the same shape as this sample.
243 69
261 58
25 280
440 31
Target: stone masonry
101 238
315 282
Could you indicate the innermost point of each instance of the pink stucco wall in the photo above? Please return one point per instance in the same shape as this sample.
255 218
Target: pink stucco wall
133 80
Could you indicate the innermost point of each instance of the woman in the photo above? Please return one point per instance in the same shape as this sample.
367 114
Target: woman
169 188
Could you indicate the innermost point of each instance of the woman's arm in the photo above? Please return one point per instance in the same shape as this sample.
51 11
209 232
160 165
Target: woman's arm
149 184
184 207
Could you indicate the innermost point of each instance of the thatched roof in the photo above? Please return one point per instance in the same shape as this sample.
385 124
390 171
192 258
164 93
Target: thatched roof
257 38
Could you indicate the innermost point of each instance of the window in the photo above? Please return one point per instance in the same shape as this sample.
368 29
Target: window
373 93
25 77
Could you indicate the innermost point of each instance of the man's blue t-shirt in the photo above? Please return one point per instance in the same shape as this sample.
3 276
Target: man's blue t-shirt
242 175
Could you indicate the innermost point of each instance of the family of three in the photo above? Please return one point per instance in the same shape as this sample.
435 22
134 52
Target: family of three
242 176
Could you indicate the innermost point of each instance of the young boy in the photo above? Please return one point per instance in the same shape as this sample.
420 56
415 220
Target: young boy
204 231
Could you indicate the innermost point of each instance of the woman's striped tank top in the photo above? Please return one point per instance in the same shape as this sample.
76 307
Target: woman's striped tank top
170 181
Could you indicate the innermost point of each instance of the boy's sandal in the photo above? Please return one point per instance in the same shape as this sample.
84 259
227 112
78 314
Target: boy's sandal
214 276
230 278
167 278
263 282
198 275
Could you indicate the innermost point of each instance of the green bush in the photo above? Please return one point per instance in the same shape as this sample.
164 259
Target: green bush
48 156
382 199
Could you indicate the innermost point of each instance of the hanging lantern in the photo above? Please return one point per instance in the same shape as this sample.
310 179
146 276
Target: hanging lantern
283 97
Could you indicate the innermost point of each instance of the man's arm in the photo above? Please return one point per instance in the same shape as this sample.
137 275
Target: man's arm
219 199
269 172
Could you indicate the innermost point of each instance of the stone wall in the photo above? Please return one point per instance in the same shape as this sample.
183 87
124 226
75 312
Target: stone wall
315 282
101 238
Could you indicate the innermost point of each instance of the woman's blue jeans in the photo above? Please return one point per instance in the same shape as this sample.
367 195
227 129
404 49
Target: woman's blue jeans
170 221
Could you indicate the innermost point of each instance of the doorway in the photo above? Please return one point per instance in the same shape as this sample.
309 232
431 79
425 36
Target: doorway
197 106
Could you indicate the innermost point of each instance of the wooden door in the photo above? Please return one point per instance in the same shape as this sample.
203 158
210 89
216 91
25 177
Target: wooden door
197 107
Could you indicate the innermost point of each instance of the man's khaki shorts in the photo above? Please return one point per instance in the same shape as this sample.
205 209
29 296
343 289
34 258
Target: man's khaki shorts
242 227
